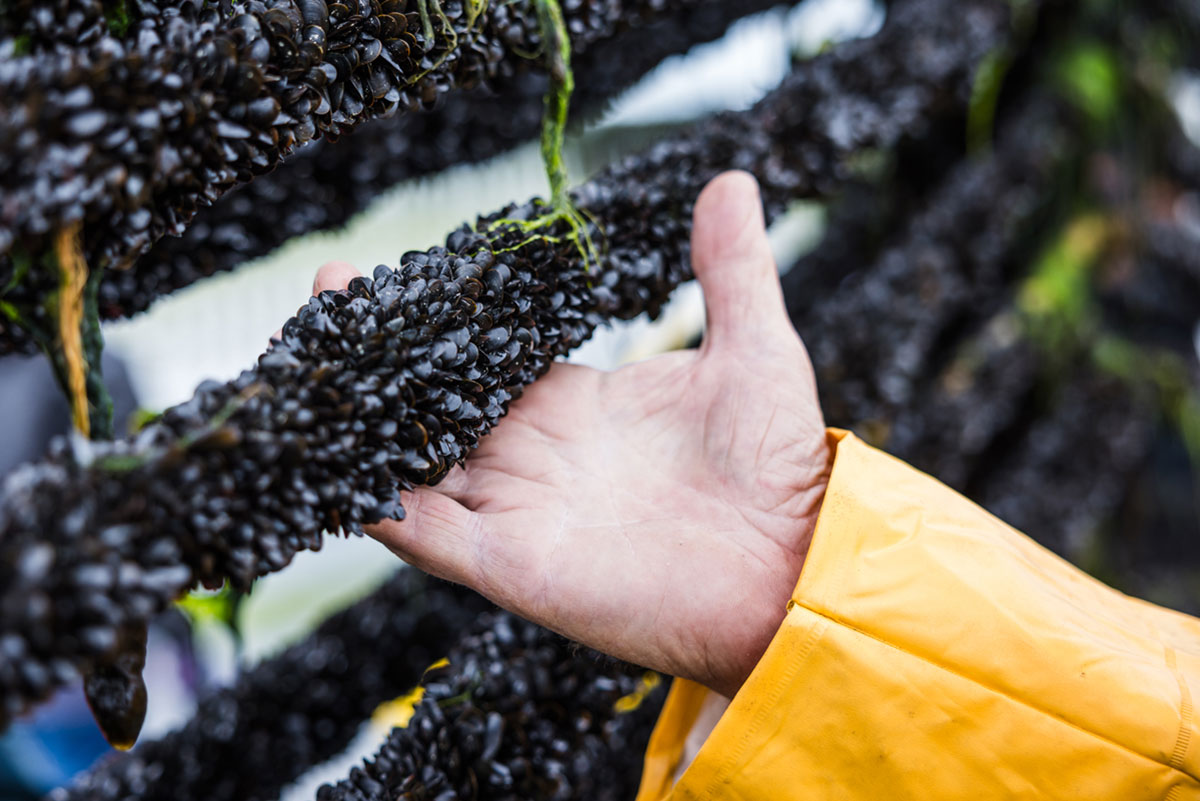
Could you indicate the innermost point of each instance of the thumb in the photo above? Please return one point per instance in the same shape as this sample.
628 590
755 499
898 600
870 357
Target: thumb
732 259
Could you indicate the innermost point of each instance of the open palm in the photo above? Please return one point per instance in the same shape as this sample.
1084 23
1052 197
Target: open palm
659 513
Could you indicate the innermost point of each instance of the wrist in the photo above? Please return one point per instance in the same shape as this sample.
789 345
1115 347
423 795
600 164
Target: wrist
770 598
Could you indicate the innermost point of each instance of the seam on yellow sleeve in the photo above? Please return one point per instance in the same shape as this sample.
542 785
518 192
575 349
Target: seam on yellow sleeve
722 776
998 691
1184 739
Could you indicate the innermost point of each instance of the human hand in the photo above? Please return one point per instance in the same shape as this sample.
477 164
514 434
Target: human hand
660 513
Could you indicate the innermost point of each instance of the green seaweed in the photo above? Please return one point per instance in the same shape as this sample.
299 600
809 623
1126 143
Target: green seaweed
431 11
1091 79
205 606
560 209
21 262
985 95
116 14
1056 301
990 76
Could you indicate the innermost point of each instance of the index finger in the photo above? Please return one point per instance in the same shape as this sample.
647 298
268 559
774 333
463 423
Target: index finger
333 275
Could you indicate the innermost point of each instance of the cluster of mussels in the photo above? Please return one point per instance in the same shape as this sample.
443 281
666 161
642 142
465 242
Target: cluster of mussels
36 27
296 709
514 698
389 384
518 713
1087 439
952 260
133 134
1158 299
325 183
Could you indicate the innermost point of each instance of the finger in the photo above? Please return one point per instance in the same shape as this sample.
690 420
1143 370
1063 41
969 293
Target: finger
732 259
438 535
334 275
455 484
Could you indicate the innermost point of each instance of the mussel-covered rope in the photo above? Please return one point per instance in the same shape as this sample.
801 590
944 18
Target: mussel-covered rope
132 135
953 265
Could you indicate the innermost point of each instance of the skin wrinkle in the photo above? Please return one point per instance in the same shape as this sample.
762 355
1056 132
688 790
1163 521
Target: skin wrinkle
719 661
543 599
626 536
767 564
475 536
708 426
545 477
766 436
657 617
731 473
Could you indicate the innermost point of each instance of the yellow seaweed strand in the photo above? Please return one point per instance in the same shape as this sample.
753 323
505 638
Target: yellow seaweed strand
72 278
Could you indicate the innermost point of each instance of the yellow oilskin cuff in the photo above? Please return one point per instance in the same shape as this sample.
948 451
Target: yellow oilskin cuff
931 652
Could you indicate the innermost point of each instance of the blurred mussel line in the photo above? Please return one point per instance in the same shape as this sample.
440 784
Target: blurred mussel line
1023 316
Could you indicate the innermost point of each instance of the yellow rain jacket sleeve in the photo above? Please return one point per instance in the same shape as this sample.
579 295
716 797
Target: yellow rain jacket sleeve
930 651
